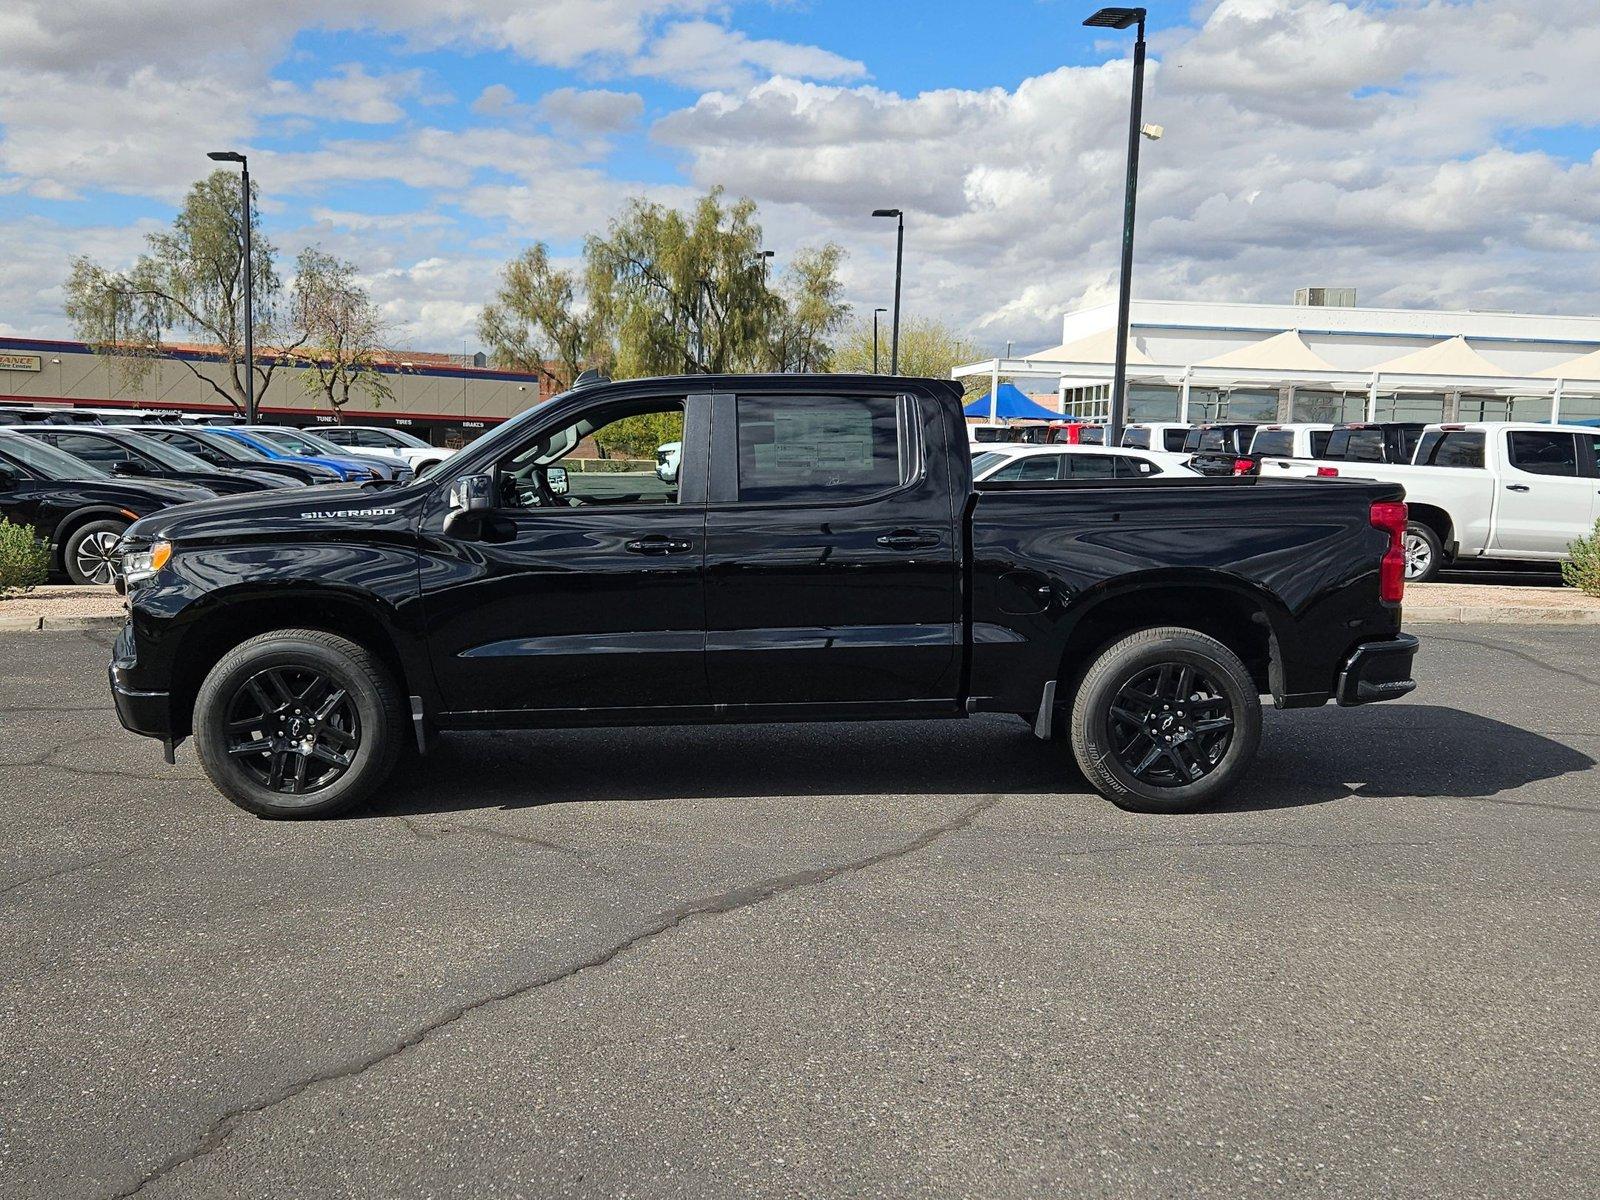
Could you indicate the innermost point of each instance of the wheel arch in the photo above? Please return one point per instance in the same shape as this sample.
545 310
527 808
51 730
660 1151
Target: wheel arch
1242 617
234 616
76 520
1436 519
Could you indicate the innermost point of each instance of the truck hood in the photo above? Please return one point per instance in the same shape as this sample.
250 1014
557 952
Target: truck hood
305 511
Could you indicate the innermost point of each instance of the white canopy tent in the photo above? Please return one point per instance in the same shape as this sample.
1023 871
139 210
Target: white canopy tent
1284 358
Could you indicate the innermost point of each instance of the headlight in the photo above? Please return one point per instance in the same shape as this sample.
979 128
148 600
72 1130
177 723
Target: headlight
140 564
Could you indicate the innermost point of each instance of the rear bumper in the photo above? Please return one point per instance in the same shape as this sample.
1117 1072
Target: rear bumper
1377 671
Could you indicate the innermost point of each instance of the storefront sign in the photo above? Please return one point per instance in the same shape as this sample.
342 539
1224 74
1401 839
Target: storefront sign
20 362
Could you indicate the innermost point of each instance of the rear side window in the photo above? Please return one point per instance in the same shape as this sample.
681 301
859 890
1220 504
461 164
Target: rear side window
1544 453
1137 439
1277 442
811 448
1357 445
1091 466
1455 448
1131 466
1590 444
1173 439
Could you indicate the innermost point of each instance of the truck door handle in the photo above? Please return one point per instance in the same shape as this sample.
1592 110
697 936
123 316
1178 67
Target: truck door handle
657 544
1516 487
907 539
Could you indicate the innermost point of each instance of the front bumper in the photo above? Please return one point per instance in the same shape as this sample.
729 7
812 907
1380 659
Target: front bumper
148 713
1377 671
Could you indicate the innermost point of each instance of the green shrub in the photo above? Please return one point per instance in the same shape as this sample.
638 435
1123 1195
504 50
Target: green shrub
1582 571
24 559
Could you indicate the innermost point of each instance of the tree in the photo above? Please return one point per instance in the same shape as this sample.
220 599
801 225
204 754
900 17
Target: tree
810 311
340 331
191 278
536 324
682 293
927 348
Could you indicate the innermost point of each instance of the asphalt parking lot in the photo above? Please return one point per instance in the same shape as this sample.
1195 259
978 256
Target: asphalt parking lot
872 960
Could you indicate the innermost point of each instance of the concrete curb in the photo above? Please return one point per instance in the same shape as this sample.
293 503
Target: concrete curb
1465 615
59 624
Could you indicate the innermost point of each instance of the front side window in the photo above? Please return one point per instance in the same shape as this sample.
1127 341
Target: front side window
1544 453
815 448
1138 439
607 456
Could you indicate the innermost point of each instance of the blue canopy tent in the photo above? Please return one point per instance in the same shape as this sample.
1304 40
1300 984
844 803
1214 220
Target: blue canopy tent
1007 403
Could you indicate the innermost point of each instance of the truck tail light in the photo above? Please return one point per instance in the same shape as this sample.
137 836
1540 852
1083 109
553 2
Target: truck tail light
1390 516
1327 472
1243 466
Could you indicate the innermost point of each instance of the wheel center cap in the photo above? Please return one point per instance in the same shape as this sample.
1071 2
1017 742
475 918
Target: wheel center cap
297 727
1166 722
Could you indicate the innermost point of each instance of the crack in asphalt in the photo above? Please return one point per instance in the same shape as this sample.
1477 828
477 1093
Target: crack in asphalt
221 1129
1515 653
427 833
83 866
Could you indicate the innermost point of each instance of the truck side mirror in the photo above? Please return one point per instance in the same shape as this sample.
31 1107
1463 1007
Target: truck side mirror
556 479
8 479
471 500
128 467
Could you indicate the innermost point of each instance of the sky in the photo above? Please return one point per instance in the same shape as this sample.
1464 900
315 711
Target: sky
1430 153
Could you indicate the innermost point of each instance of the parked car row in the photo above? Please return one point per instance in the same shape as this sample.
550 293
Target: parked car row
1492 490
81 485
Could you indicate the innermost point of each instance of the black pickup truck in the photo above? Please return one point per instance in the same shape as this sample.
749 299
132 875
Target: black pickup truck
821 554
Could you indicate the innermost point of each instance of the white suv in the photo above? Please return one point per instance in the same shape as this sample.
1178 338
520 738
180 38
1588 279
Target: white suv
375 439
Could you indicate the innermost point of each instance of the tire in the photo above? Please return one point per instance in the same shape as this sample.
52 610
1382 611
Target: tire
1139 770
90 555
1424 552
288 690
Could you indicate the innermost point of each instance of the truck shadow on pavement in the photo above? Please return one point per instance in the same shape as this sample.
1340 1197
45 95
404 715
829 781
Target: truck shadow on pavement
1314 757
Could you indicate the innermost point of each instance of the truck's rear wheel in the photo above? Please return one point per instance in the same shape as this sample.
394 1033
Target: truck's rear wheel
1166 720
298 723
1423 550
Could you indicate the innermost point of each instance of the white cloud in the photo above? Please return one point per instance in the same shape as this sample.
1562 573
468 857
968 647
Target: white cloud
593 111
702 54
1307 142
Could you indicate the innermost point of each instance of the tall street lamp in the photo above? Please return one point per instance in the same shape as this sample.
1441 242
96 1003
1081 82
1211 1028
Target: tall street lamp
764 257
875 313
249 285
1122 18
899 254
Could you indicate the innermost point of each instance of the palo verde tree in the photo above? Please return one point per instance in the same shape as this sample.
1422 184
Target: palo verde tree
340 331
535 323
191 278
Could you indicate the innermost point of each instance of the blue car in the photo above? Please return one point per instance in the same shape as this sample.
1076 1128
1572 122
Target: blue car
349 470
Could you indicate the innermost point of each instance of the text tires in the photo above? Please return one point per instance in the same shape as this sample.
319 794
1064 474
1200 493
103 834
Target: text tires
1423 550
298 723
1166 720
90 554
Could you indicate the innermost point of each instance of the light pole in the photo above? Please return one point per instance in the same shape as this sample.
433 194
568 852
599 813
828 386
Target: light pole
1122 18
875 313
764 257
899 254
249 285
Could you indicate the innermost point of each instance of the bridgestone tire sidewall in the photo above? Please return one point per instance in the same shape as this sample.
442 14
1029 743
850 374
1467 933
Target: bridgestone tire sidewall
350 667
1091 718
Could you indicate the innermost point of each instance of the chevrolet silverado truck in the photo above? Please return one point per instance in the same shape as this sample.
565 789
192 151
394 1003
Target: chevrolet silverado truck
1488 490
822 554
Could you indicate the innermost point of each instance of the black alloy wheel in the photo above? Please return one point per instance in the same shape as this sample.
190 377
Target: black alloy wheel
1166 720
293 730
1171 724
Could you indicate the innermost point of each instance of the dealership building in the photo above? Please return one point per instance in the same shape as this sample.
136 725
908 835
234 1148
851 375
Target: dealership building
444 399
1199 361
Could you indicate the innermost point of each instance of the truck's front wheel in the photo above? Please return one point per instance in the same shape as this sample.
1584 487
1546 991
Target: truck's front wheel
1166 720
298 723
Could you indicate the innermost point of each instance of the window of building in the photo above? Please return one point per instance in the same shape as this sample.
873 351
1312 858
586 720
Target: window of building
820 447
1252 404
